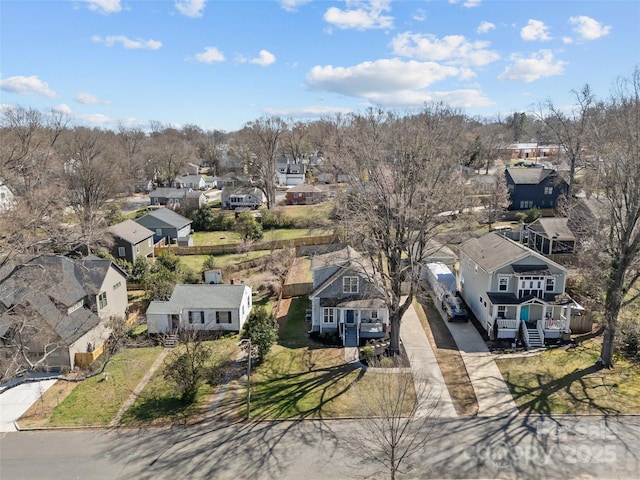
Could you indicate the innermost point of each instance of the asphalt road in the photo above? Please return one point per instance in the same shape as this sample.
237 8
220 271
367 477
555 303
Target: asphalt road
517 447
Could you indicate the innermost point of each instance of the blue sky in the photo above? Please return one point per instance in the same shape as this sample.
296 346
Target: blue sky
220 64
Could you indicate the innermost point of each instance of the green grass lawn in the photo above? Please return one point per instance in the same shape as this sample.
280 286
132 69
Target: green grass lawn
194 262
320 212
301 378
96 401
232 238
566 381
160 404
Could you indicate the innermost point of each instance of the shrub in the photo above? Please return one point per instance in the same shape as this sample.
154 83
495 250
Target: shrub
368 351
262 328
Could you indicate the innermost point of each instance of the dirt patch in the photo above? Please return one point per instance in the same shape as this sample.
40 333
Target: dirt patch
300 271
40 412
449 359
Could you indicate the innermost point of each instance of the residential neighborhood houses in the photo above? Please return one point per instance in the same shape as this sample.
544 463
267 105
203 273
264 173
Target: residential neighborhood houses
527 283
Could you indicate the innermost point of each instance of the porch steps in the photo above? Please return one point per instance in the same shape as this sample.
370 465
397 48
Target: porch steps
534 338
170 341
350 338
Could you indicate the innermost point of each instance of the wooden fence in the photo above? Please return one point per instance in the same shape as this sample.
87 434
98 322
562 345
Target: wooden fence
223 249
581 323
296 289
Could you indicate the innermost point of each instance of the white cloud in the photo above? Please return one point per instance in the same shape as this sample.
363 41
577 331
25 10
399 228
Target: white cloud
419 15
467 3
127 43
452 48
210 55
88 99
567 40
360 15
313 111
292 5
454 98
95 119
539 65
588 28
26 85
485 27
264 58
380 77
62 108
104 6
535 30
190 8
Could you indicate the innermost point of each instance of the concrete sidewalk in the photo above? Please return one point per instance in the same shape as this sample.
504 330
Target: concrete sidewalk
425 369
492 393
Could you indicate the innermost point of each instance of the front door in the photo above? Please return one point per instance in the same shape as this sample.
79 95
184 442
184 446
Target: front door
175 323
524 313
350 317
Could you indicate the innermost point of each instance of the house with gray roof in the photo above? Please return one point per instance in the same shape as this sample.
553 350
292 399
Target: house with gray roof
346 298
186 198
534 187
167 224
131 240
67 304
241 197
201 307
196 182
514 292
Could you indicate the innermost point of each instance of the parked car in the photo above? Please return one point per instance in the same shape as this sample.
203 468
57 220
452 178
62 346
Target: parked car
454 308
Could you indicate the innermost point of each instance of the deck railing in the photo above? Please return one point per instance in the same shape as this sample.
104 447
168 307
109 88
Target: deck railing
510 323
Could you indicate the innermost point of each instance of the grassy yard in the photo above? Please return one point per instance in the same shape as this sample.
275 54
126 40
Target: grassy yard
94 401
194 262
566 381
319 213
301 378
232 238
159 404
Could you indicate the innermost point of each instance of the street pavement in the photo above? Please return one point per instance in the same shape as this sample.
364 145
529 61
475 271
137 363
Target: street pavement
522 447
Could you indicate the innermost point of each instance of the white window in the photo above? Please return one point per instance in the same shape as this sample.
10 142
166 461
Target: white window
328 315
503 284
121 252
102 300
550 285
374 314
548 190
502 311
524 204
350 284
159 232
196 317
149 242
223 317
117 285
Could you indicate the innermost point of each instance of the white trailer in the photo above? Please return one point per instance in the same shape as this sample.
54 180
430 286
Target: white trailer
440 278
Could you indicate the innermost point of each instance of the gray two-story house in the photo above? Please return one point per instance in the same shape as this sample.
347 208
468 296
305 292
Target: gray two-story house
534 187
515 292
167 224
345 299
131 240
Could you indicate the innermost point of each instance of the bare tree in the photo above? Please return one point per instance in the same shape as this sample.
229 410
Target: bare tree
398 422
210 147
570 130
498 197
297 145
617 139
261 143
91 178
404 175
131 141
169 152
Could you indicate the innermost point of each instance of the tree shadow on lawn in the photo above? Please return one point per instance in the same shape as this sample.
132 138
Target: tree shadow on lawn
302 394
541 403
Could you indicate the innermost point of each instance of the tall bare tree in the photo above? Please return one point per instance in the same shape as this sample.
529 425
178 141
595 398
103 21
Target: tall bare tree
617 139
570 130
131 141
91 178
169 152
399 421
404 175
261 142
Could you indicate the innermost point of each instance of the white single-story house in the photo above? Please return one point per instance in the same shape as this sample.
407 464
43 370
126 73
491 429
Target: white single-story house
201 307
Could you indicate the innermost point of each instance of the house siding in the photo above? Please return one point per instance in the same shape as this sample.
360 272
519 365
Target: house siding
117 300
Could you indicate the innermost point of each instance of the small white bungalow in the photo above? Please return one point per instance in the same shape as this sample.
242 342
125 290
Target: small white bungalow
201 307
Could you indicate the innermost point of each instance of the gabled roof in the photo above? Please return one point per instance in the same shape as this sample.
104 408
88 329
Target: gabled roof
493 251
95 271
241 190
165 217
305 187
166 192
336 258
529 176
556 228
189 178
200 296
131 231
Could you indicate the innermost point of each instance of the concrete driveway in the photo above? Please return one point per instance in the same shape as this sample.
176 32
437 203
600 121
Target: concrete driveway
17 400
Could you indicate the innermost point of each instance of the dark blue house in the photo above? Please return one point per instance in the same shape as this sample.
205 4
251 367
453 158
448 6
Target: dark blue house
537 187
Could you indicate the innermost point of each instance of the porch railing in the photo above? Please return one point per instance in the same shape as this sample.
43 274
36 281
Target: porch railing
371 327
510 323
554 323
540 330
525 334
